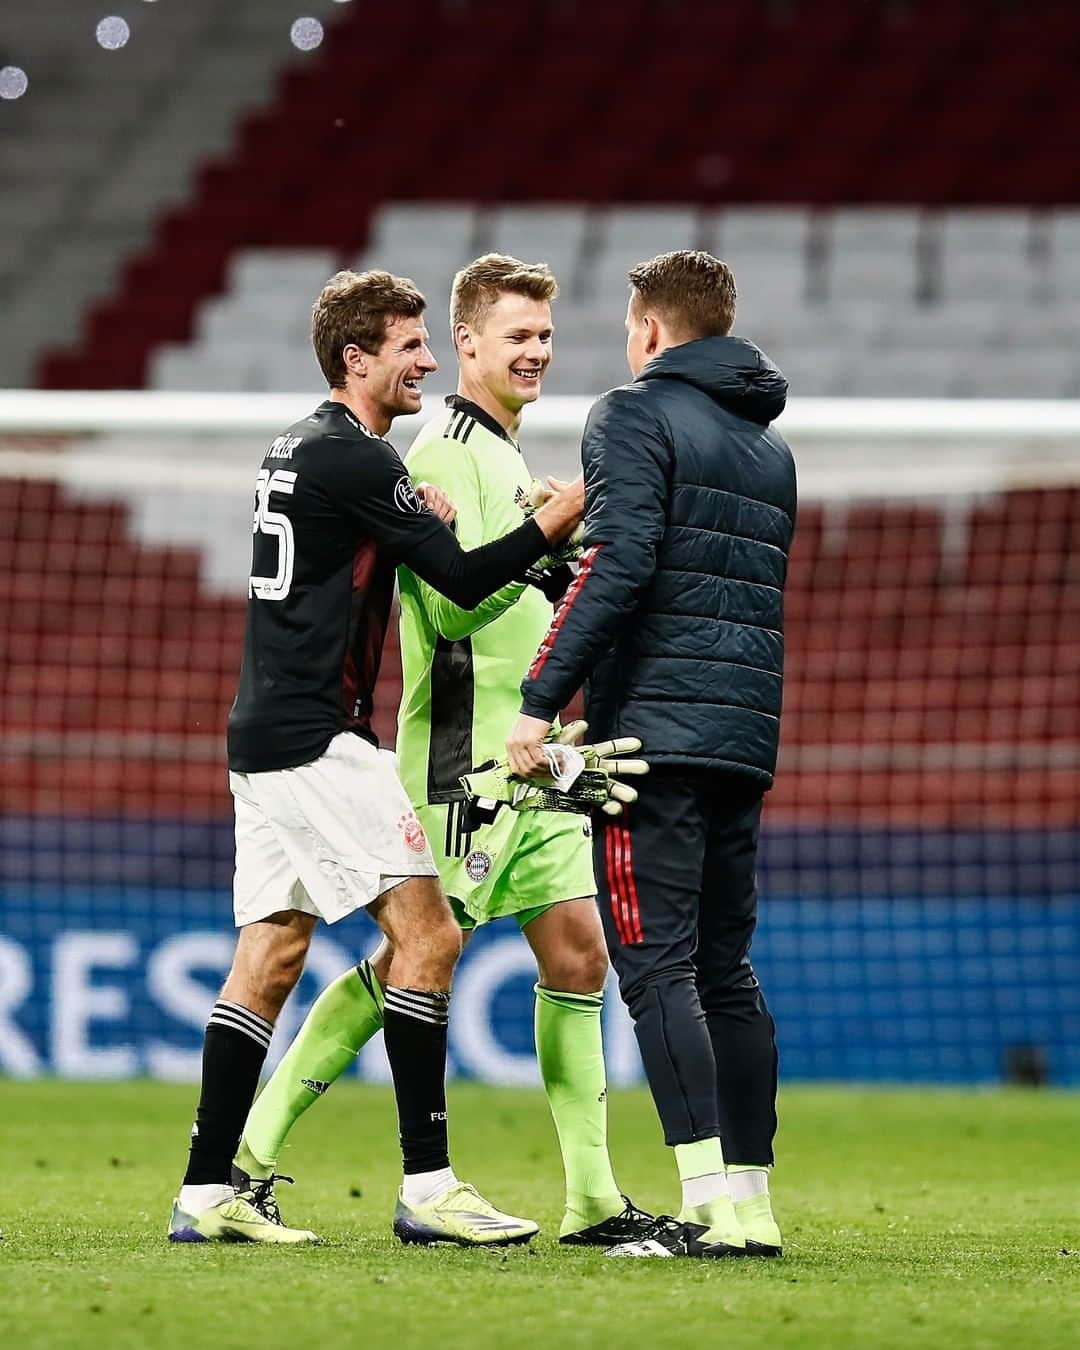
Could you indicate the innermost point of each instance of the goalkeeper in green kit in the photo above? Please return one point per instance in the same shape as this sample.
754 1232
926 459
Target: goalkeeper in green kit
462 673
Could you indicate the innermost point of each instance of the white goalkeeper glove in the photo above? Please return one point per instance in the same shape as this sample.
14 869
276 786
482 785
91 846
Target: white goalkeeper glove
584 778
530 502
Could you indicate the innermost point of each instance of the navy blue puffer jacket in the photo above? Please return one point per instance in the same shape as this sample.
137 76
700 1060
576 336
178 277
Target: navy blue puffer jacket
676 618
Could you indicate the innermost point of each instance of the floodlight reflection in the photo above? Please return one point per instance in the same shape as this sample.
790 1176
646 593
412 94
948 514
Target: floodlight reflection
306 34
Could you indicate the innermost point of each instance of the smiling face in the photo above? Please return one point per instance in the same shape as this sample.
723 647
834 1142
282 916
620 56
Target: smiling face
392 376
507 352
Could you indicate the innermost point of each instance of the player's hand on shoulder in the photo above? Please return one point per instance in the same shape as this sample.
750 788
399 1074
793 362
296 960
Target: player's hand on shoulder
436 500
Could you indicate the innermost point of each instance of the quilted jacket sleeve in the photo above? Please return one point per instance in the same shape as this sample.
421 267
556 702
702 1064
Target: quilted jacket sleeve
627 458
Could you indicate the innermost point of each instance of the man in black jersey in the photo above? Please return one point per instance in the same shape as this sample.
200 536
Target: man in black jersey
323 825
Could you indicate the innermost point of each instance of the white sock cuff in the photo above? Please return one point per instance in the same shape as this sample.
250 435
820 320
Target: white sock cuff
418 1004
420 1188
704 1190
198 1199
746 1182
236 1017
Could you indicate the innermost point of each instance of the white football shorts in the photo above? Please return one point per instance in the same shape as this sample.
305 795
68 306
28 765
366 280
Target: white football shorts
327 838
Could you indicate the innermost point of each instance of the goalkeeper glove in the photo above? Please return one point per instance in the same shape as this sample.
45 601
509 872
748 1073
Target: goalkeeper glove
597 785
552 584
530 502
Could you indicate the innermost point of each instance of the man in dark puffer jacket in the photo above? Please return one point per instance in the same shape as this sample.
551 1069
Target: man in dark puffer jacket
676 621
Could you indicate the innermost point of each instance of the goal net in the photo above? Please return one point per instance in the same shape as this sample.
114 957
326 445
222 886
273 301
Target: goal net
920 867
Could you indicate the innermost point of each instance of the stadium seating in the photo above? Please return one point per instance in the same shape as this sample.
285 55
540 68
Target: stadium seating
934 664
957 669
871 302
965 104
106 141
118 664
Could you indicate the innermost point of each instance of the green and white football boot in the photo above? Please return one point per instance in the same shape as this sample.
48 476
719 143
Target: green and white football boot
460 1215
235 1219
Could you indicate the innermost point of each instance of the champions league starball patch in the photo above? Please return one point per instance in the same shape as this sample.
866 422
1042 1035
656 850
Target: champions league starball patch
478 865
405 497
413 832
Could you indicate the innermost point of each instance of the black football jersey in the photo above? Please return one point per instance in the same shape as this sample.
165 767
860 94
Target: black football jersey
335 512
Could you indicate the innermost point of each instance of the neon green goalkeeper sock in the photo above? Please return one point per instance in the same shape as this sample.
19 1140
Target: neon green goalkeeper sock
706 1199
342 1020
570 1052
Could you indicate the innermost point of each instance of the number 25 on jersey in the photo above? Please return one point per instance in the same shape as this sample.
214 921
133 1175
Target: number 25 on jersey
273 525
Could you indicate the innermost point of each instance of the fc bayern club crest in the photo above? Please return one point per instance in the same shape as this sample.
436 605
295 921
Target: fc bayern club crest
478 865
413 832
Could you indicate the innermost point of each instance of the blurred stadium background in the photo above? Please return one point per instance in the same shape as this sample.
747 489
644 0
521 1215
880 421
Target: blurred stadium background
896 187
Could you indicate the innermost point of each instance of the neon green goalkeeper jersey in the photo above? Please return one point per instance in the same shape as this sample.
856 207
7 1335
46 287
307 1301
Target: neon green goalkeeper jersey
462 669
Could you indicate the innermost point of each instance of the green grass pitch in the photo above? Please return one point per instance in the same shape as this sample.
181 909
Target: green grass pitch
911 1219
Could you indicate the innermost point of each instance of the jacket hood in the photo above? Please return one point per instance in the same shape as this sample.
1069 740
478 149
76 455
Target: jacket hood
729 369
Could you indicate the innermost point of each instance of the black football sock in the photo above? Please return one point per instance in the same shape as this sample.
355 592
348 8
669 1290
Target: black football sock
414 1029
233 1053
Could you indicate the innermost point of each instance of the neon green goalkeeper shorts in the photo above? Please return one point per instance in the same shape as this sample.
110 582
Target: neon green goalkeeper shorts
521 864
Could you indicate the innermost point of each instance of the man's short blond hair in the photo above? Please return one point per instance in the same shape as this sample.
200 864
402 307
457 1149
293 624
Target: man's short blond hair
356 307
479 285
691 290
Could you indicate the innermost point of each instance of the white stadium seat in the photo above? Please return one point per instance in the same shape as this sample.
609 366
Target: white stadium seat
904 373
426 226
552 234
297 272
962 324
759 229
209 368
867 336
986 254
630 235
1011 374
888 273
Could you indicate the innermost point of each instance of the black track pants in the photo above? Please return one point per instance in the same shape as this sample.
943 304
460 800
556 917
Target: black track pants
675 880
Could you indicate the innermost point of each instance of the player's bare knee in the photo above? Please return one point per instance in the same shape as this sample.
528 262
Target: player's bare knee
269 960
594 970
426 948
443 951
580 970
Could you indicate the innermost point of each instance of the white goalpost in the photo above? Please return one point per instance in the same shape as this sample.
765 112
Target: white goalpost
847 448
185 463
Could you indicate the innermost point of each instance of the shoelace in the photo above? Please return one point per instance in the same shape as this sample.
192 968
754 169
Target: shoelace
663 1224
630 1217
263 1200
